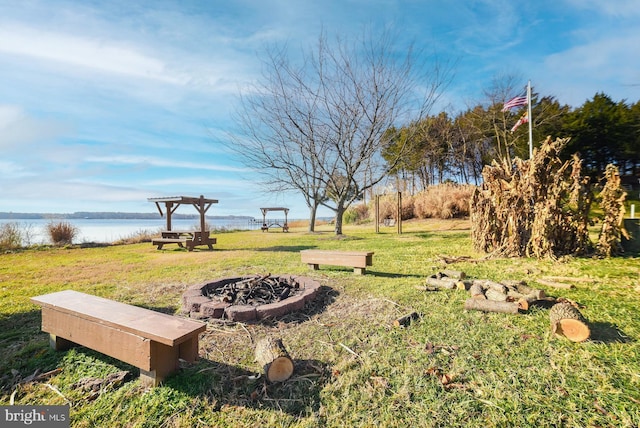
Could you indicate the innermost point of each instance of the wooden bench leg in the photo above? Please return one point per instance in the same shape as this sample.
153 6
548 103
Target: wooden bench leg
188 350
58 343
313 266
359 271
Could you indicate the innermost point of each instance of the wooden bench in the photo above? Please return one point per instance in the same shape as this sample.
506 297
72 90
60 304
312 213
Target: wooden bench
358 260
149 340
182 242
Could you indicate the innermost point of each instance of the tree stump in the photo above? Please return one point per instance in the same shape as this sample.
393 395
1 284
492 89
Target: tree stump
567 321
274 359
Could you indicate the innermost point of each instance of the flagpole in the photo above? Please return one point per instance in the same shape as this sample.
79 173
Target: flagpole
530 119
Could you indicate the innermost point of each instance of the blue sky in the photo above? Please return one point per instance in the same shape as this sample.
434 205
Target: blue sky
104 104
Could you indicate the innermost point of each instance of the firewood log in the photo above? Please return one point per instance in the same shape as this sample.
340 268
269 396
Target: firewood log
486 284
491 306
274 359
405 320
476 291
530 291
493 294
448 284
567 321
455 274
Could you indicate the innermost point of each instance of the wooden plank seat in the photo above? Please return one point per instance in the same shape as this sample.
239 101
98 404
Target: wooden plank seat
182 242
152 341
358 260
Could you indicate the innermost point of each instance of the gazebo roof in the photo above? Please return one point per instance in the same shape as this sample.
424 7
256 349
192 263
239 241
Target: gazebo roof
184 199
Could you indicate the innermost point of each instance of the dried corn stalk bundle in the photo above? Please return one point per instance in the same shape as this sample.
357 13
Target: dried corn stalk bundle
612 203
537 207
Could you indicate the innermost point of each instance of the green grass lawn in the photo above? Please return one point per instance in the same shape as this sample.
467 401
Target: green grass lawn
448 368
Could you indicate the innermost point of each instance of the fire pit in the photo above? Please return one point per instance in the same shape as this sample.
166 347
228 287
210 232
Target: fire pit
249 298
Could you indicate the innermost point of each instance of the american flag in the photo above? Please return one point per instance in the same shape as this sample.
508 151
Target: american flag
515 102
523 119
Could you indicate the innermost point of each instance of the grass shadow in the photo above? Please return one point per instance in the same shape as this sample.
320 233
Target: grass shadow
286 248
393 275
606 332
228 385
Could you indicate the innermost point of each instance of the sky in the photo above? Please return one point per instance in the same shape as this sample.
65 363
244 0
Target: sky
104 104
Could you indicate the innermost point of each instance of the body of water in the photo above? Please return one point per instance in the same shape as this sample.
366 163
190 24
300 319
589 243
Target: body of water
111 230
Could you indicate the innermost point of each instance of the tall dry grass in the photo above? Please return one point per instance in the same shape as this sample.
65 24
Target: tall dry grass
444 201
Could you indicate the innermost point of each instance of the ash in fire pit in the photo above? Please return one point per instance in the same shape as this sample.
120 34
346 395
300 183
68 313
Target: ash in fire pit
249 298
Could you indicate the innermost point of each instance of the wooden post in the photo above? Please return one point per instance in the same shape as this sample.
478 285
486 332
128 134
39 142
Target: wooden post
399 213
377 211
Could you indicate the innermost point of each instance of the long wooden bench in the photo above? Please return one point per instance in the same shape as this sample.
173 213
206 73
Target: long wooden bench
358 260
182 242
149 340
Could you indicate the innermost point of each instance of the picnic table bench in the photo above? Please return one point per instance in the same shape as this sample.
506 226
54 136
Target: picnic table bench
152 341
184 238
358 260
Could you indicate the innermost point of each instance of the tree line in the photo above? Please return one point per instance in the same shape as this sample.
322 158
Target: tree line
443 147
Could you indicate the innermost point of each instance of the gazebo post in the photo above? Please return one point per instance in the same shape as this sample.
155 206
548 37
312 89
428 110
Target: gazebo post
169 212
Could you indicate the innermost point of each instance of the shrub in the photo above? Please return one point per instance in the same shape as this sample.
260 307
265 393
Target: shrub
444 201
62 233
10 237
356 214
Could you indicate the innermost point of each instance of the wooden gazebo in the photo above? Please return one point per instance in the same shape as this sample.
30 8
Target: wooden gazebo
188 238
266 226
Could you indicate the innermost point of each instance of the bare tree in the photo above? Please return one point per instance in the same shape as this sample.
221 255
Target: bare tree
318 127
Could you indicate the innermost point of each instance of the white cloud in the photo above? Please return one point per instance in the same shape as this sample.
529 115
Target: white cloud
18 129
86 52
603 65
151 161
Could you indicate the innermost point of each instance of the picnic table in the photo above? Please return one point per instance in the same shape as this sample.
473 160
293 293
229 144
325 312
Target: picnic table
188 238
266 223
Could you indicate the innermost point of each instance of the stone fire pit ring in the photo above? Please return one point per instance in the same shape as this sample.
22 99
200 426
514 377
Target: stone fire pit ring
197 303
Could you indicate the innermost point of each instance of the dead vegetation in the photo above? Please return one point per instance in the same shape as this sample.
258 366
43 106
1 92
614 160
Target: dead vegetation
540 207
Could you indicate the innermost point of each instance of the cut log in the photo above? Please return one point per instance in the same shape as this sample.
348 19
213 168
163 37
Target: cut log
405 320
491 306
493 294
274 359
463 285
523 304
476 291
456 274
545 302
554 284
486 284
530 291
567 321
447 284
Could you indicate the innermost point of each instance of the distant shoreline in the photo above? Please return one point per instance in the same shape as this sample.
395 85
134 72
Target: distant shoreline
87 215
